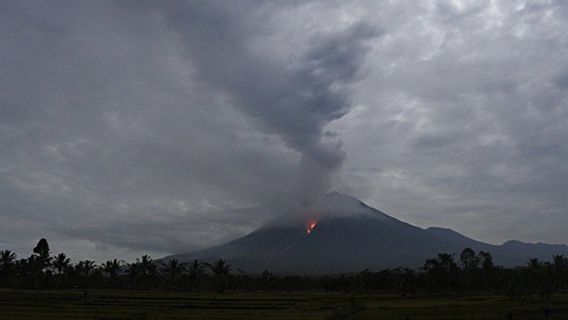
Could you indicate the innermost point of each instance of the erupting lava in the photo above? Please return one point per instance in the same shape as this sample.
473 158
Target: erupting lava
311 226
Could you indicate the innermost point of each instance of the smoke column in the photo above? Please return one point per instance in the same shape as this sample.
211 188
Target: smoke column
295 102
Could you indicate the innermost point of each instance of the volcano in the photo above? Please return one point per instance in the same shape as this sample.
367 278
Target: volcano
346 235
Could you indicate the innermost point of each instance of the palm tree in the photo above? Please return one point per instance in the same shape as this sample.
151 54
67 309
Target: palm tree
112 267
7 259
142 271
220 268
534 274
85 268
7 263
146 265
559 262
559 271
196 269
173 268
534 264
61 263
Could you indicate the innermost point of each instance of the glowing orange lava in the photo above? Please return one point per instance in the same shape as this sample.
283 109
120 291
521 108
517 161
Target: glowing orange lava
311 226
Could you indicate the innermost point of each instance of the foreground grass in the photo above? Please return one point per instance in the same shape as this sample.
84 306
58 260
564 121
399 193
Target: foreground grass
122 305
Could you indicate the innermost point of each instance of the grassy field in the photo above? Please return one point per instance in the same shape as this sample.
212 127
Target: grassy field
115 304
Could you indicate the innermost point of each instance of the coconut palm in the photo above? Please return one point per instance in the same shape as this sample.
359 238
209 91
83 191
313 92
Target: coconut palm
145 265
112 267
534 264
7 263
142 272
173 268
559 262
85 268
7 258
196 269
220 268
559 271
61 263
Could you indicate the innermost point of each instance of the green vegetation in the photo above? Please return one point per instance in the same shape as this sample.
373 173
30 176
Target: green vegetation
43 286
472 274
154 304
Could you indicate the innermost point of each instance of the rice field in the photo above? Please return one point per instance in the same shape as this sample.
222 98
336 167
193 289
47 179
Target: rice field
122 305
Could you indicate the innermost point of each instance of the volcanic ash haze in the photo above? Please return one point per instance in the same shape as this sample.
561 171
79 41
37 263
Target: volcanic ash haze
342 234
328 205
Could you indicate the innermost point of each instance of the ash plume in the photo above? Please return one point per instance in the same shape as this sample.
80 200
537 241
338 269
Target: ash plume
294 101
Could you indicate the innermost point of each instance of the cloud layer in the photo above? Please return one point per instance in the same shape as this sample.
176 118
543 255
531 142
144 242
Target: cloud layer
130 127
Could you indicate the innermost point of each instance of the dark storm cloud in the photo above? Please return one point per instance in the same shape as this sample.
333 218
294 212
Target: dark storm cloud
112 121
468 121
128 127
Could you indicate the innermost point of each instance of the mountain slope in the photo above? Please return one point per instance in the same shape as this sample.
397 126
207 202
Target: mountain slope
351 236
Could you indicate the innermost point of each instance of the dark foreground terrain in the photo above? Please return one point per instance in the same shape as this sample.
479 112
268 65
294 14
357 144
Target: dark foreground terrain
122 304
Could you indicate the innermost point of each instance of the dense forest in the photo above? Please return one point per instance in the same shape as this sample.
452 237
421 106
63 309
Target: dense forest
468 273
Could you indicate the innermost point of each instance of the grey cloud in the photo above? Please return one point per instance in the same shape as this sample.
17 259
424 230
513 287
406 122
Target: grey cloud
483 82
128 127
107 127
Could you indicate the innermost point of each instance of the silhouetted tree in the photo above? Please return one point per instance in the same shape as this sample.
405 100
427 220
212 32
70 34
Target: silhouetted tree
560 263
196 272
173 269
488 269
266 279
439 274
221 270
37 267
486 260
443 272
41 251
538 276
7 266
146 266
111 268
469 260
142 272
219 267
534 264
196 269
61 263
405 280
364 280
85 268
559 272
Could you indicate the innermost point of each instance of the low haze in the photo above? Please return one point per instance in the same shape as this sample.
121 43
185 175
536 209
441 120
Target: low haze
130 127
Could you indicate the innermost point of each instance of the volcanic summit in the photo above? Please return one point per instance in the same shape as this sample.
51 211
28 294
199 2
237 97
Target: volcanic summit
343 234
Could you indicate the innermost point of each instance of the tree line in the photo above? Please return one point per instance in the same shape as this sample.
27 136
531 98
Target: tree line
467 273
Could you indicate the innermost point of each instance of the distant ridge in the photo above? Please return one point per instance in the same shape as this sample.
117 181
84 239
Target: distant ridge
351 236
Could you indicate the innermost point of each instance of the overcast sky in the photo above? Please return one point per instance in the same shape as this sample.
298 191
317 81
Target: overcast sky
133 127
